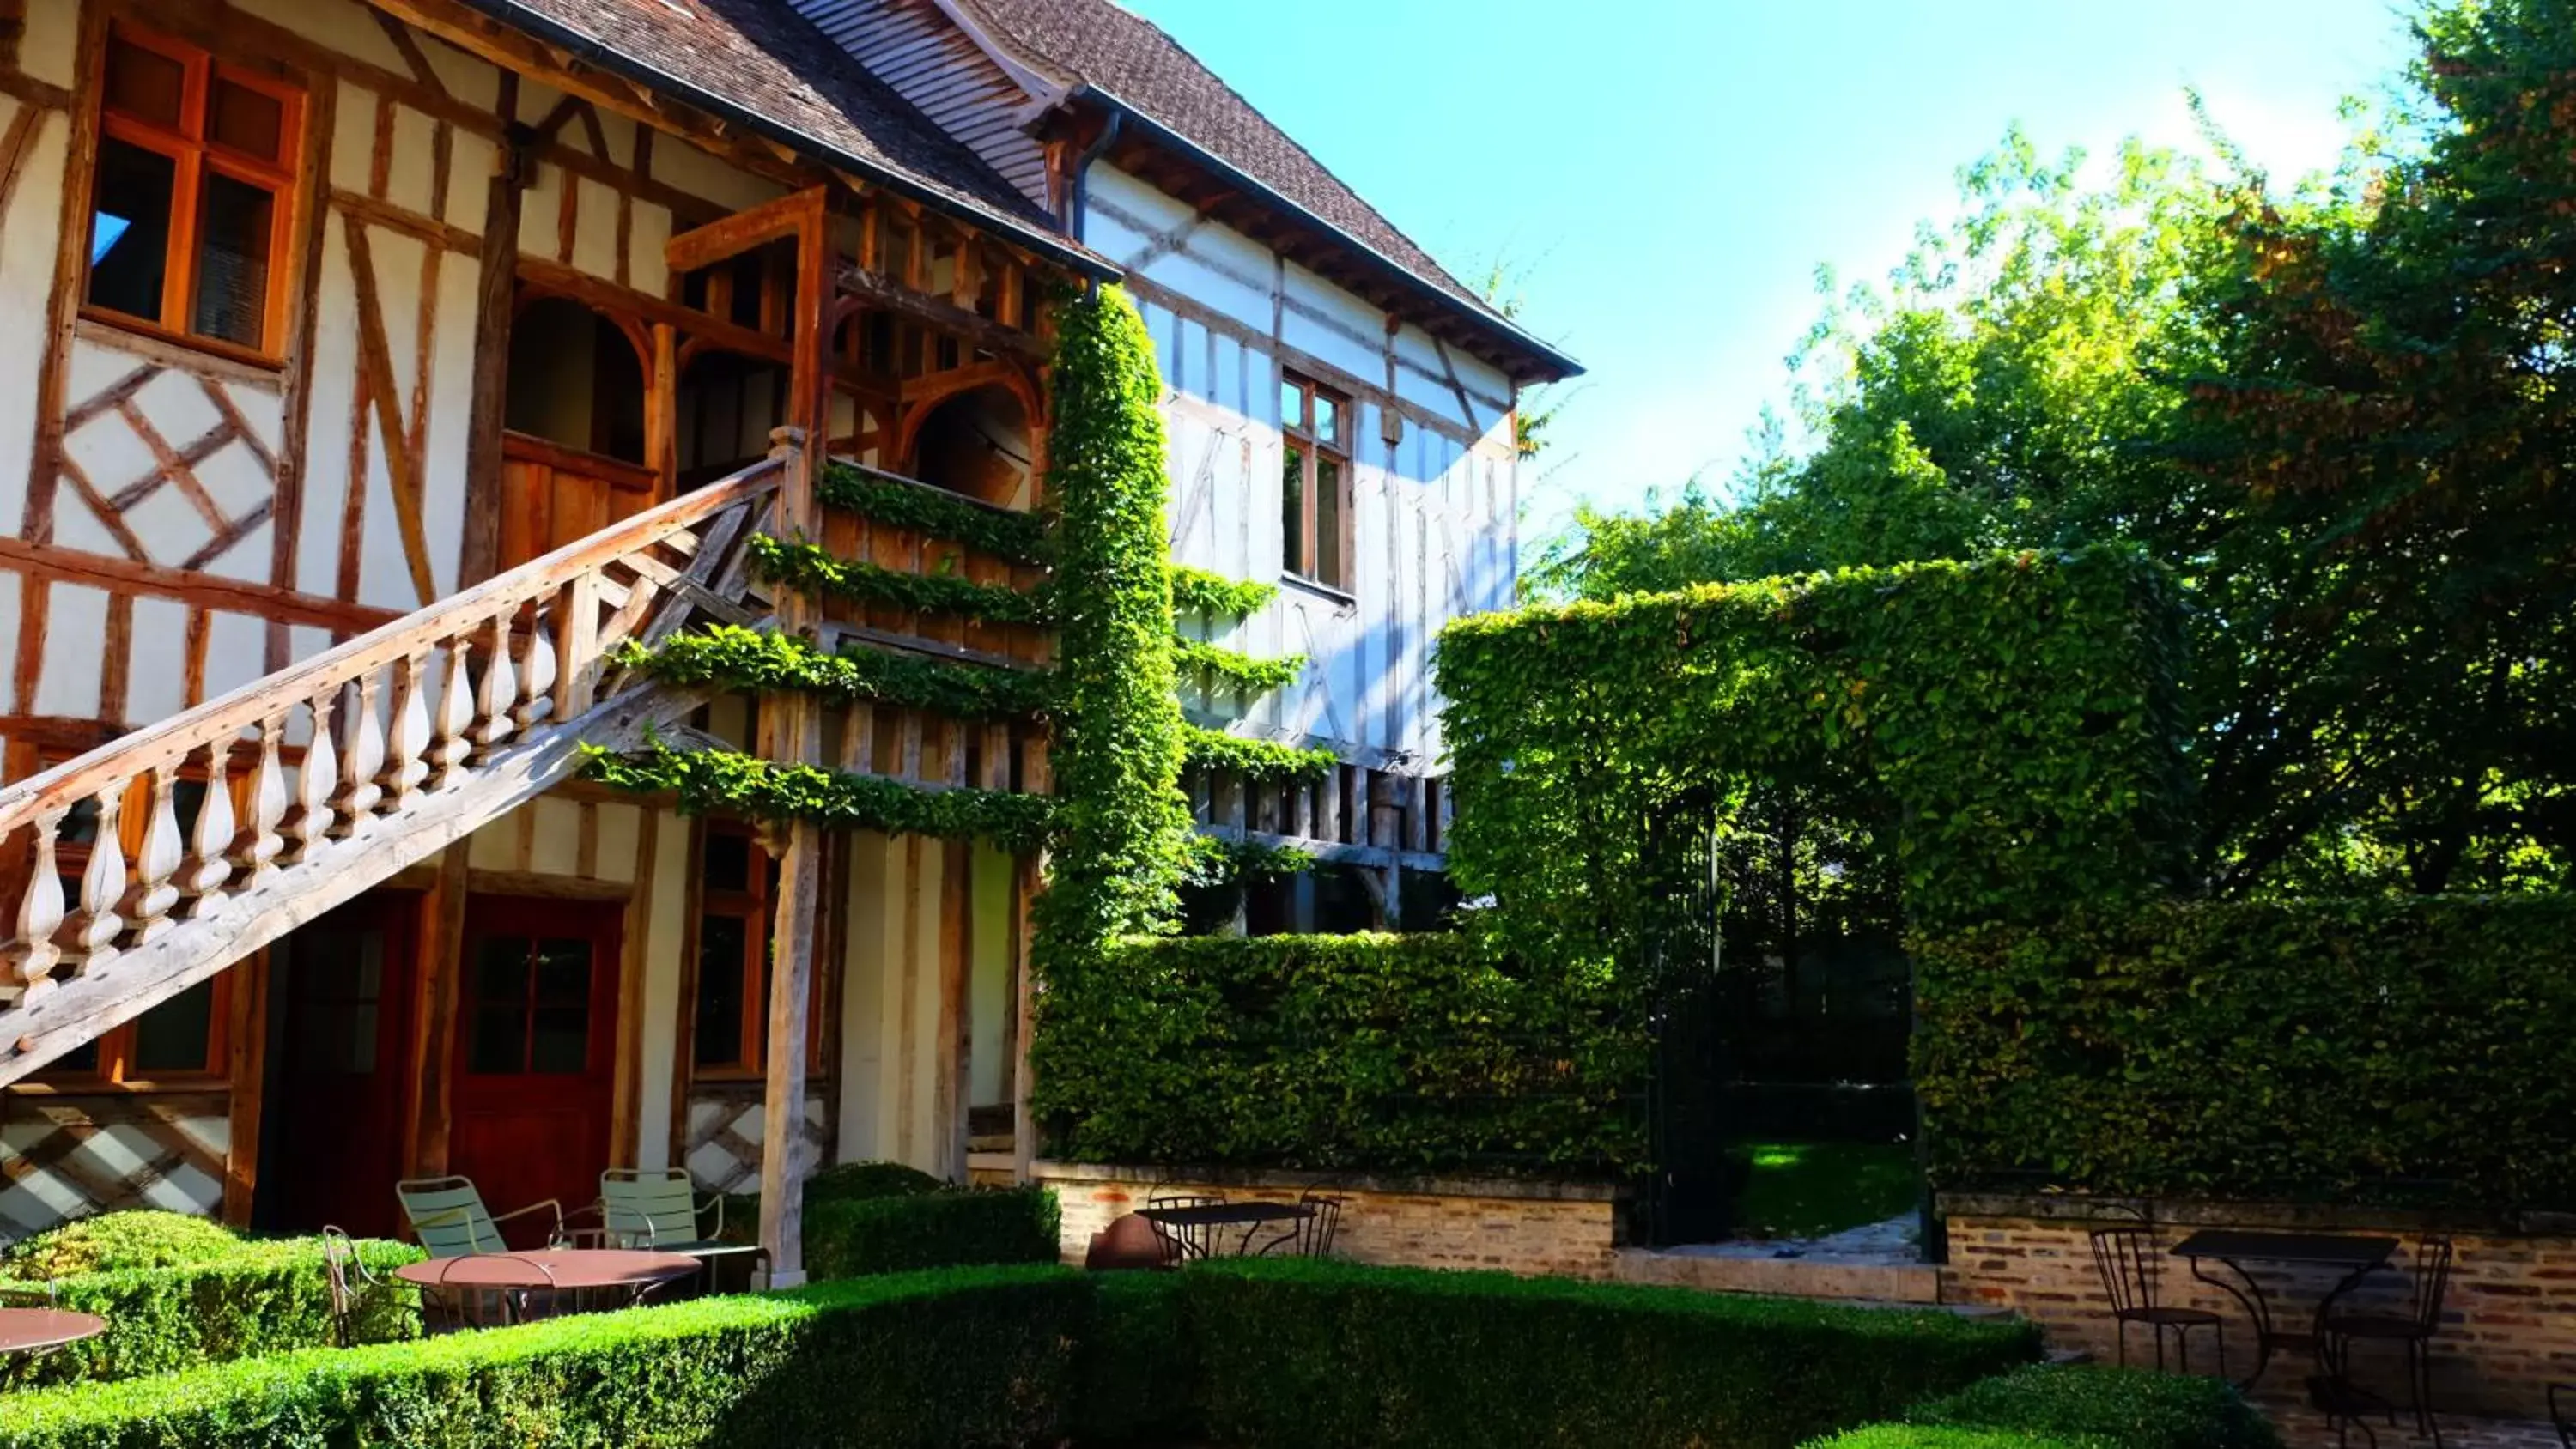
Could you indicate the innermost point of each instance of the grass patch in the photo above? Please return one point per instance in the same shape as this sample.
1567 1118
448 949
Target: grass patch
1811 1189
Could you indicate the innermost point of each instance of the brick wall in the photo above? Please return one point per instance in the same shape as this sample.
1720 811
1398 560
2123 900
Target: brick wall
2509 1319
1566 1229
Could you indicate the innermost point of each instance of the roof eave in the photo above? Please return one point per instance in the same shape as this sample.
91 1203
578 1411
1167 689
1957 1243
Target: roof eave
1551 365
598 52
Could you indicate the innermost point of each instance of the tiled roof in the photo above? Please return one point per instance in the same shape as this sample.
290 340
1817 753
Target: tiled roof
1096 43
760 59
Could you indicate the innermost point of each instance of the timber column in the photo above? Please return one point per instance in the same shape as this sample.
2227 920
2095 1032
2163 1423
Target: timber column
791 726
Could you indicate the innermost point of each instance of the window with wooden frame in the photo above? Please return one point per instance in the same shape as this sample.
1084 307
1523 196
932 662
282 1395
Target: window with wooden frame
1315 482
185 1040
192 195
738 885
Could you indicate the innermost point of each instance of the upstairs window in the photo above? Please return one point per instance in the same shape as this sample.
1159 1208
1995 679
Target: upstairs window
192 194
1315 482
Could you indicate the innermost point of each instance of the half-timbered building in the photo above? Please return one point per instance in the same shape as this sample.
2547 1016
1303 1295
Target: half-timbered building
384 366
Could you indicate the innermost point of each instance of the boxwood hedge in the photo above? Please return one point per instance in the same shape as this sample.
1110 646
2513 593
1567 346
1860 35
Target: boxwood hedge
1260 1355
977 1356
258 1298
1289 1354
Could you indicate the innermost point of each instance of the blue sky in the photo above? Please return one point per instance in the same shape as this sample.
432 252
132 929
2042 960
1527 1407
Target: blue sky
1668 177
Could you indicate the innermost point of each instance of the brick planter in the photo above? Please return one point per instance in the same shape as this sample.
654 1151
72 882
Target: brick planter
2510 1315
1566 1229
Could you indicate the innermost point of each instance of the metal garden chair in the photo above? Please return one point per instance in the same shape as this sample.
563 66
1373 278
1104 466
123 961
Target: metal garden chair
2132 1269
448 1216
2412 1325
1184 1241
1311 1236
660 1211
348 1277
2562 1413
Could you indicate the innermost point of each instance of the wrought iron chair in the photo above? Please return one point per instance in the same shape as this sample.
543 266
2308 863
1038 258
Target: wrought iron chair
1311 1236
2411 1324
348 1277
660 1211
2132 1269
2562 1413
499 1296
1183 1241
448 1216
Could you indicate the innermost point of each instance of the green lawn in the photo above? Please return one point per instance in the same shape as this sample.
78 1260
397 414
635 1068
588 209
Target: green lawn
1810 1189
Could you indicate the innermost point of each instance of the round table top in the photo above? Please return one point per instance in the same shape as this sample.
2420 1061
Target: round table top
34 1330
550 1268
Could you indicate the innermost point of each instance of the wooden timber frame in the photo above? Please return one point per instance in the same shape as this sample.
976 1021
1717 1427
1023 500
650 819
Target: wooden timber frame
961 310
976 335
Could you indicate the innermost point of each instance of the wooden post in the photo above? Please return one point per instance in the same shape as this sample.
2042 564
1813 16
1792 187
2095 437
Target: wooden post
792 723
496 292
248 1072
442 954
1029 878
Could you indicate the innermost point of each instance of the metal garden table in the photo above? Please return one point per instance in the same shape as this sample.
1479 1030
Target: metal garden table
2353 1257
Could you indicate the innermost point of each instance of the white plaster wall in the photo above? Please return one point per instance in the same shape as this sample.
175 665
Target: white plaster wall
1433 513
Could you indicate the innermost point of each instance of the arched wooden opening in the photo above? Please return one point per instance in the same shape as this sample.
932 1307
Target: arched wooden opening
575 450
975 442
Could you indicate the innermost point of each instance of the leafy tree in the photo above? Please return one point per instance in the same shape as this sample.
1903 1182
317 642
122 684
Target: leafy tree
2340 414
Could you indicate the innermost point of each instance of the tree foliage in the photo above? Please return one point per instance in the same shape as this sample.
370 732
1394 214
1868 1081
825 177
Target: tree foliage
2338 412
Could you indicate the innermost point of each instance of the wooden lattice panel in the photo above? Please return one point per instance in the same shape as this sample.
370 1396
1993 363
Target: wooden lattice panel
167 467
65 1156
722 1148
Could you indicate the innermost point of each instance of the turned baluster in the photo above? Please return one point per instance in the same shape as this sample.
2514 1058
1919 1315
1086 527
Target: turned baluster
537 689
314 782
500 689
103 883
261 843
409 763
363 729
211 842
455 714
147 905
40 915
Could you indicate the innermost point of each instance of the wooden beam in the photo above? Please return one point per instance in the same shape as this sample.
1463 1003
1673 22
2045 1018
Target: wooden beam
438 985
199 590
246 1044
885 293
793 723
730 237
487 402
562 281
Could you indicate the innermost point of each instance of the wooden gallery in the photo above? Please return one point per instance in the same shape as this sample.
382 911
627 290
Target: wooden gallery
383 369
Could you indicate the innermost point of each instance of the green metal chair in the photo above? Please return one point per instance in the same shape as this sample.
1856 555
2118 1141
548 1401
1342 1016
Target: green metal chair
660 1211
448 1216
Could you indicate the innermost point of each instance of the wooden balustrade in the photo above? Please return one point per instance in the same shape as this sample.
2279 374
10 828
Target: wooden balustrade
296 769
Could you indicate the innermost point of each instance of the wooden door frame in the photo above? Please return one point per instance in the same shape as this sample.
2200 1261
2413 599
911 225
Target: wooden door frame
613 911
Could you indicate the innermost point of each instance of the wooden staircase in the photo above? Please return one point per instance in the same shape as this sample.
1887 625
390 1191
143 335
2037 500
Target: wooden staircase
271 805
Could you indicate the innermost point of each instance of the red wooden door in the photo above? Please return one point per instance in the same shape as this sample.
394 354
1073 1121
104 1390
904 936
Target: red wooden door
337 1104
536 1052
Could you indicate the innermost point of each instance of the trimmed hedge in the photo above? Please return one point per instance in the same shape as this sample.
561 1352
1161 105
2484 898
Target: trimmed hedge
877 1217
1401 1052
143 1238
850 1237
968 1357
1288 1354
260 1298
2321 1050
2128 1408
